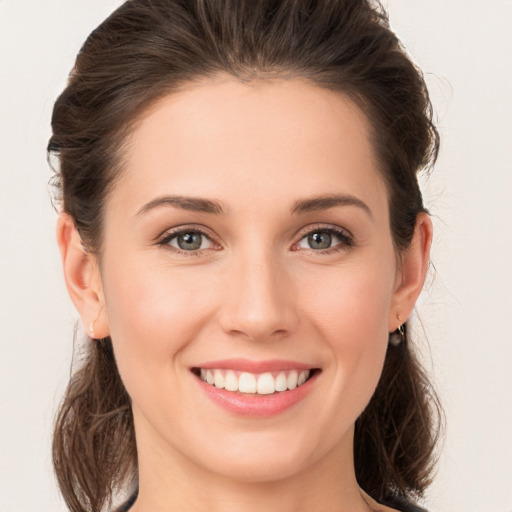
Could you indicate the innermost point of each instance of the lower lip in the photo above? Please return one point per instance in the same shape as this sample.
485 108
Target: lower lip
260 406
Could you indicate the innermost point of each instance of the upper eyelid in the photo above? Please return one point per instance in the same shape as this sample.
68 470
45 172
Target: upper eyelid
170 233
177 230
344 236
323 227
164 240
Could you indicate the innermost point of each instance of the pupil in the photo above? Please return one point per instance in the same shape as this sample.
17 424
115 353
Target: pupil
320 240
190 241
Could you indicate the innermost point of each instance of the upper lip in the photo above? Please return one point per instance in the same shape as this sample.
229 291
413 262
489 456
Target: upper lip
250 366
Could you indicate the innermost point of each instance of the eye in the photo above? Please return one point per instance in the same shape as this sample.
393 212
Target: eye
189 240
325 239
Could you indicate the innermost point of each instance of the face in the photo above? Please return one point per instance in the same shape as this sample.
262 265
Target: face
247 243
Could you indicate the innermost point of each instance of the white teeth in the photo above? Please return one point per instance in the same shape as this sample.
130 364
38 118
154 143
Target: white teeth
247 383
263 384
281 382
266 384
231 381
292 379
219 379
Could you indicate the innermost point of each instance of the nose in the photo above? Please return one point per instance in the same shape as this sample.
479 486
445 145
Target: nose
258 299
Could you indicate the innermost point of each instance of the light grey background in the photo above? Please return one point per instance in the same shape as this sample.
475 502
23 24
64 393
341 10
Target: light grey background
465 48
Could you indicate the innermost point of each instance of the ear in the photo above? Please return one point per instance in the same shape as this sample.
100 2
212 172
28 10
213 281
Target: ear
83 278
413 266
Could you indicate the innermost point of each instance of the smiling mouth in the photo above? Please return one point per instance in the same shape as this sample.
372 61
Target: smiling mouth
246 383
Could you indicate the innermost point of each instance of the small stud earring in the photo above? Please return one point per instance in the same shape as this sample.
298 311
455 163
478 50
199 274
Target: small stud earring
397 336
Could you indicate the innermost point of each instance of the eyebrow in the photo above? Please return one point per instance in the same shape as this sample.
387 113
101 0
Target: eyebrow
324 202
311 204
195 204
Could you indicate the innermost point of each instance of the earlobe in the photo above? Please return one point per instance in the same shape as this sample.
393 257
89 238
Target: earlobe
413 270
82 277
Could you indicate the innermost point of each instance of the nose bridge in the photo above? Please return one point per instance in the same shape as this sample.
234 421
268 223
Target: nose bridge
259 299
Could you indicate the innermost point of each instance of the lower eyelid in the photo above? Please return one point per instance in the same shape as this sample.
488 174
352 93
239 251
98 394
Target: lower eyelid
166 238
343 237
345 240
209 241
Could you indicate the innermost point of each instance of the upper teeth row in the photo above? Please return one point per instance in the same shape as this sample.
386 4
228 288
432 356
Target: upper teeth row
263 384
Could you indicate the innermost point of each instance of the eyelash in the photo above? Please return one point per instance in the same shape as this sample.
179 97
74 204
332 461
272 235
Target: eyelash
164 241
346 239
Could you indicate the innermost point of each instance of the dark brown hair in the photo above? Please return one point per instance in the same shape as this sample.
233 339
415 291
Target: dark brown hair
149 48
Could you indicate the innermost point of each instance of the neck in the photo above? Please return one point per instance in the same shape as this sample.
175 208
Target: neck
175 483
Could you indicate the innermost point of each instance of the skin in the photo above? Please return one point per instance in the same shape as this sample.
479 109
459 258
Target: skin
256 289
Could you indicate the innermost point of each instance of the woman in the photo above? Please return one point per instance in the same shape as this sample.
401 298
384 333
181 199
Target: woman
244 238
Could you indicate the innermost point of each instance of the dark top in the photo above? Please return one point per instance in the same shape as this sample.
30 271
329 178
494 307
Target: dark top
396 503
128 504
402 505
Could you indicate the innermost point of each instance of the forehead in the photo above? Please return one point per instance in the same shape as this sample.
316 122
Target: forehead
259 140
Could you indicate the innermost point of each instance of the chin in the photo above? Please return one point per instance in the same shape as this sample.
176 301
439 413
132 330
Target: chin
259 469
260 457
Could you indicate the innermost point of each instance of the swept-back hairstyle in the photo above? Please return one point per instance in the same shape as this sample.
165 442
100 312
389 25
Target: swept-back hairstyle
149 48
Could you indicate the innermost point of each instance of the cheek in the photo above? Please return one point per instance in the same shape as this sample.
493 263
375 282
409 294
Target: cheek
353 306
152 313
351 314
